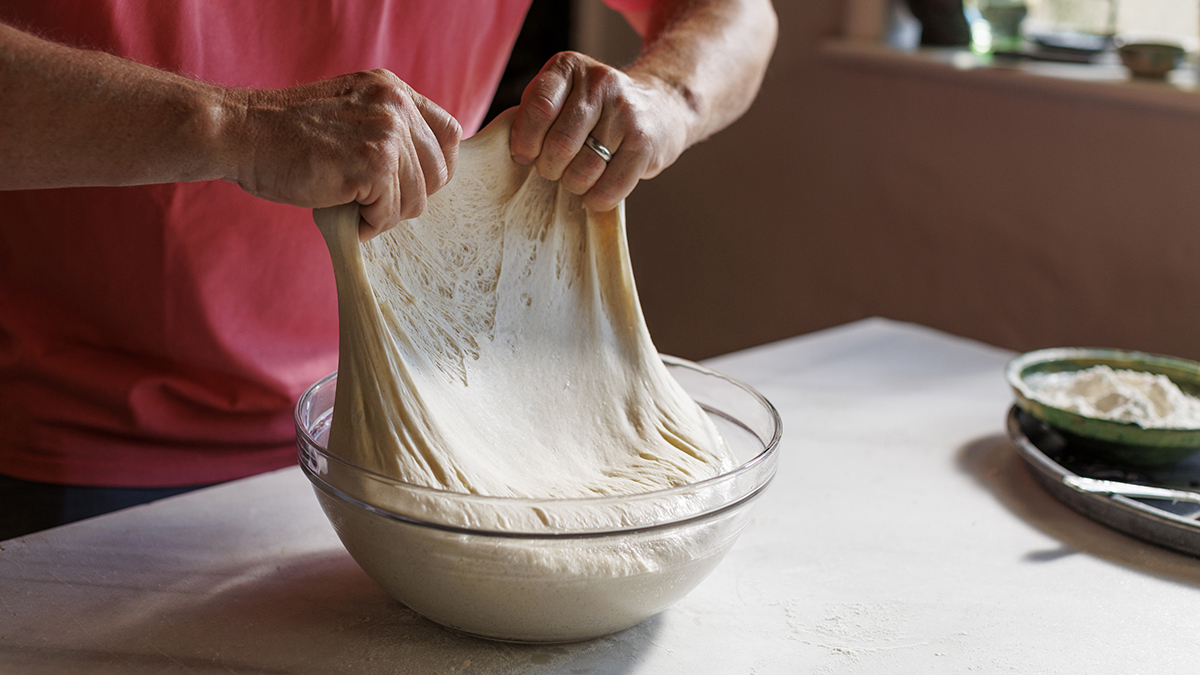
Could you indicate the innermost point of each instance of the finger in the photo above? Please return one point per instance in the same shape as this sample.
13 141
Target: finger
410 181
587 166
622 174
448 134
541 103
367 231
583 172
579 115
398 195
426 141
430 159
383 213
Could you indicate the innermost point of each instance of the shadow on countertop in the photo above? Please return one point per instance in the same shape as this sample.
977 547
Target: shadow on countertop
994 463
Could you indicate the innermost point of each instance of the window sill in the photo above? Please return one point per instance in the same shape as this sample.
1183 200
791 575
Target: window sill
1107 83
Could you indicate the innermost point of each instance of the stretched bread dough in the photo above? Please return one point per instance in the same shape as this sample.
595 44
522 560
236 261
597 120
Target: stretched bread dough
495 346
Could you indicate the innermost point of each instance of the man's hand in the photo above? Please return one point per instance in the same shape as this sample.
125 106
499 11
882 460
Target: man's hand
364 137
74 118
701 65
640 121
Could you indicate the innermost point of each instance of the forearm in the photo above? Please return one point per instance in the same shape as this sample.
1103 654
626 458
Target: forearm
711 53
81 118
74 118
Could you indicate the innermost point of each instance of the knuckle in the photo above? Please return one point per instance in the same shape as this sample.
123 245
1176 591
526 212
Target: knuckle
368 80
558 143
605 195
383 75
638 141
577 181
539 101
540 107
547 169
568 61
605 77
412 205
599 201
602 196
381 92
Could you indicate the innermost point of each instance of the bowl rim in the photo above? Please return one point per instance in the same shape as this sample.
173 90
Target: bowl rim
767 454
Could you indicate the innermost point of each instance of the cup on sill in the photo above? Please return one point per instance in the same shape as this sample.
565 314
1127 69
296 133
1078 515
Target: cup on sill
1003 24
1150 60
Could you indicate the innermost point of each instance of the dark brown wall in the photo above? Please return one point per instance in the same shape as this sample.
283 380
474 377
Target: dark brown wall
1020 216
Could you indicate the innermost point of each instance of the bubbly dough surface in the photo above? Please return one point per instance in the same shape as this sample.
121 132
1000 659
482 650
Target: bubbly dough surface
495 346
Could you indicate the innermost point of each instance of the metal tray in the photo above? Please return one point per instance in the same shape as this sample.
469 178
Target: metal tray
1173 524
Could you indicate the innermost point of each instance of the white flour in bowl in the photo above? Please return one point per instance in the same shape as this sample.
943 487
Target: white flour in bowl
1151 401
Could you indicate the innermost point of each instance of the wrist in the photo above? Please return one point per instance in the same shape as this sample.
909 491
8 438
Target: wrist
683 105
226 140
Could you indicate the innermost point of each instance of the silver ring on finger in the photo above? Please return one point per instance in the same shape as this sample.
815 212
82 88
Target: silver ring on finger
599 149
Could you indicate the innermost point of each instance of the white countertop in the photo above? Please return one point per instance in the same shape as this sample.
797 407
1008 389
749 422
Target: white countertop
902 534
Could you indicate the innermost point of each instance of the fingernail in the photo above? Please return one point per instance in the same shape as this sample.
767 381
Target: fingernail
522 160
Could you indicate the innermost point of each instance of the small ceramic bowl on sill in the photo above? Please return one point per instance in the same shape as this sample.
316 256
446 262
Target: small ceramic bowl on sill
1150 60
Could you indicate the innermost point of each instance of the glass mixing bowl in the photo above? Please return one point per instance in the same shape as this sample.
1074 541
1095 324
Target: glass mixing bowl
545 582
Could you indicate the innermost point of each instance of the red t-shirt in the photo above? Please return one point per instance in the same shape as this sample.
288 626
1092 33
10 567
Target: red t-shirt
160 335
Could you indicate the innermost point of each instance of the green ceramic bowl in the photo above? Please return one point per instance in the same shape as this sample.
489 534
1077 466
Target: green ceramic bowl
1122 442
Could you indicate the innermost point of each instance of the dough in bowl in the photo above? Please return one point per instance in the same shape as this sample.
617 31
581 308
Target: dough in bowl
495 346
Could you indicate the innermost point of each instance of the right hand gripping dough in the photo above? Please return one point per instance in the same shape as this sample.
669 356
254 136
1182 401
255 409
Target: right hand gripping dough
495 346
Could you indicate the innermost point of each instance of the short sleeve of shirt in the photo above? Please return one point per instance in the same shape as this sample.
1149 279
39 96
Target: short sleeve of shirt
631 5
